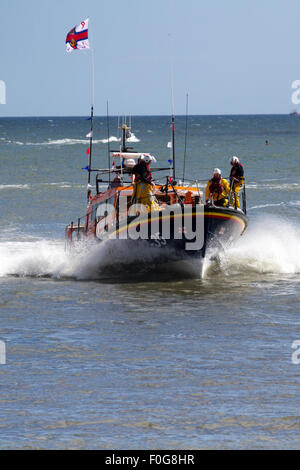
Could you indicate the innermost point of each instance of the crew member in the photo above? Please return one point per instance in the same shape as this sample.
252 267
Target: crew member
236 179
217 189
142 183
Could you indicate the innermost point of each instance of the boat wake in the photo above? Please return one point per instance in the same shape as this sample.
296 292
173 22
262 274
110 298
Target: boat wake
268 247
90 261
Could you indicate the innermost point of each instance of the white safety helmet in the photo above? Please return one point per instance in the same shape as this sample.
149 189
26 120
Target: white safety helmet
148 158
129 162
217 172
234 160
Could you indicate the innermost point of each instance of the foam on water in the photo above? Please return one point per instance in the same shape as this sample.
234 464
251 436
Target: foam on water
85 261
14 186
133 138
47 258
278 185
68 141
269 247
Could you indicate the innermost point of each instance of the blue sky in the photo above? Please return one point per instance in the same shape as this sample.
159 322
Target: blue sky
230 56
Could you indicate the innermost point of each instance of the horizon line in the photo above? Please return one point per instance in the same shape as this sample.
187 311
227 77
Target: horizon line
142 115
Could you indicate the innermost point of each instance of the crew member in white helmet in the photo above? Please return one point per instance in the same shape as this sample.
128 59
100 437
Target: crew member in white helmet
217 189
236 179
143 185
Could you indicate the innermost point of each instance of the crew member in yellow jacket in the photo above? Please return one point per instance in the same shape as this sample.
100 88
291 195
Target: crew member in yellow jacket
217 189
143 185
236 179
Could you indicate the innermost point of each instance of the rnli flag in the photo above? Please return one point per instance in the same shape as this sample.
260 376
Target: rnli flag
77 38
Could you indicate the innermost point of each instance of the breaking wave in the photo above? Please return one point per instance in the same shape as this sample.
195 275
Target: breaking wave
14 186
270 246
277 185
74 141
67 141
133 138
85 261
59 185
42 258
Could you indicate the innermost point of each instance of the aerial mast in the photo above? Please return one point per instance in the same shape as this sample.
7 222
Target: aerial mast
173 115
185 140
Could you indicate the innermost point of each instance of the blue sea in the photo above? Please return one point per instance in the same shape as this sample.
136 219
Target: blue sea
90 361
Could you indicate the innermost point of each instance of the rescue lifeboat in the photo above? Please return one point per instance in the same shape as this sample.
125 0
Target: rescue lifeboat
179 229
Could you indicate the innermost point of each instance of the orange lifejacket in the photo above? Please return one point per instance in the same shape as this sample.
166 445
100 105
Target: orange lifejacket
216 186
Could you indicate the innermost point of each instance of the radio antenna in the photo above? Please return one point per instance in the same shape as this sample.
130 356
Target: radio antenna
108 140
173 114
185 140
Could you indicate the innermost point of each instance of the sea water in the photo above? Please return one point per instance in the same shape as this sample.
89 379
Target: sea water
95 359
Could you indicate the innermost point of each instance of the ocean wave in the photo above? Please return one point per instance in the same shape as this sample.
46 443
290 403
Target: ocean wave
21 258
61 184
133 138
272 186
86 261
294 203
270 246
61 142
67 141
111 139
263 206
14 186
15 142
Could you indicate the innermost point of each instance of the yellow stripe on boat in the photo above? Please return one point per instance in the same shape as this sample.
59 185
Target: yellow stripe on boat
172 216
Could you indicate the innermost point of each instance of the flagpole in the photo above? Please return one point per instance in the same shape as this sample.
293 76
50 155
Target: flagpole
91 143
82 41
92 111
92 73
